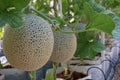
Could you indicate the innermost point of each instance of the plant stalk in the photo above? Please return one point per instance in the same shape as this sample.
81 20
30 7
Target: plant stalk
42 15
55 66
53 22
68 65
68 7
60 8
55 9
33 75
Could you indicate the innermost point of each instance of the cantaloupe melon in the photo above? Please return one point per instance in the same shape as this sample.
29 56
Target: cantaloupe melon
64 46
81 26
30 47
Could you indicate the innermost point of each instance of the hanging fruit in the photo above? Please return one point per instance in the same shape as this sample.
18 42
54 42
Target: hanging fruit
29 47
64 46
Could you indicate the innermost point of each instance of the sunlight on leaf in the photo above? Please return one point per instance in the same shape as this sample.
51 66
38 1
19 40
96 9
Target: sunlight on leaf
18 4
98 21
49 76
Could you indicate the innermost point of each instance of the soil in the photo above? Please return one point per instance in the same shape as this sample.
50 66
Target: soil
71 76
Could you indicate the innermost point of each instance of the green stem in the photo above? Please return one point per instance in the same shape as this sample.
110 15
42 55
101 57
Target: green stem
42 15
78 3
72 32
76 24
53 22
68 65
55 9
55 66
1 66
68 7
27 8
81 61
33 75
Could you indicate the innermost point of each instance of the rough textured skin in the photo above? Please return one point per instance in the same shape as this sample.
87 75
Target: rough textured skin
80 26
64 46
30 47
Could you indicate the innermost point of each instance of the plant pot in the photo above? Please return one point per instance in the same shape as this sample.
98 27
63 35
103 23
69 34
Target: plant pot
84 68
11 73
85 78
61 69
75 64
1 76
86 62
96 60
14 74
109 54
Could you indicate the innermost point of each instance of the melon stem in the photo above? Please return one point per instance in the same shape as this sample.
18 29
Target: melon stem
54 23
33 75
68 65
72 32
55 66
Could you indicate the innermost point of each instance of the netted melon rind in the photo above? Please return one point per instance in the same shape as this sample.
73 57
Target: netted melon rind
29 47
64 46
81 26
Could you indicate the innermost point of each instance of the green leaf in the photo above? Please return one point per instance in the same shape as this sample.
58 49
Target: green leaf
98 21
65 6
49 76
116 19
116 34
75 8
43 5
88 45
116 31
16 4
60 21
2 21
98 46
89 12
1 32
96 7
11 12
101 22
16 19
13 18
